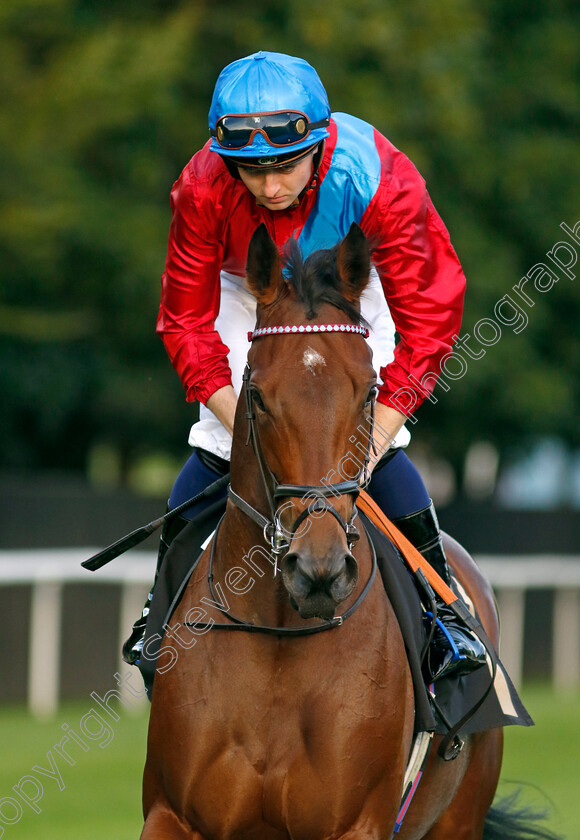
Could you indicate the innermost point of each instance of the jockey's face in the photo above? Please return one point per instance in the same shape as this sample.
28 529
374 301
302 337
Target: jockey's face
278 187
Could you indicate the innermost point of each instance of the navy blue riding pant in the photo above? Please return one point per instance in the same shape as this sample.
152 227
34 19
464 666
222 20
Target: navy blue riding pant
396 486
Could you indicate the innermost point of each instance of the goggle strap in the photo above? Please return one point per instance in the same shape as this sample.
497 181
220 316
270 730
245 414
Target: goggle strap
320 124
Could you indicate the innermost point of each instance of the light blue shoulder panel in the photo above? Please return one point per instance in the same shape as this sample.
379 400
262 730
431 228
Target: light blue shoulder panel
348 188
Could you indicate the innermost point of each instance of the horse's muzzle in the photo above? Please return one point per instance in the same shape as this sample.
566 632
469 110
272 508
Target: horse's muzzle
318 585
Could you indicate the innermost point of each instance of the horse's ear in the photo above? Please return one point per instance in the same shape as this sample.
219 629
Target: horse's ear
353 262
263 272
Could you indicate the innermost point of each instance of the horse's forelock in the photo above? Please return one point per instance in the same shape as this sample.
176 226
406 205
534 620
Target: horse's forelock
316 281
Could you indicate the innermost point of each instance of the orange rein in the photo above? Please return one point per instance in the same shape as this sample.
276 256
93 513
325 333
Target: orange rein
413 558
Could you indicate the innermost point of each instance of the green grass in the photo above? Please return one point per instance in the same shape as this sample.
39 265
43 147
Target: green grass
546 758
102 791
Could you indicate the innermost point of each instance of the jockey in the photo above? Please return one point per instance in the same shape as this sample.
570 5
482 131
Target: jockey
278 156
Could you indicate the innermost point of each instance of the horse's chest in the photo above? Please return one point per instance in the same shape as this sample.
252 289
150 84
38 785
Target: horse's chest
287 735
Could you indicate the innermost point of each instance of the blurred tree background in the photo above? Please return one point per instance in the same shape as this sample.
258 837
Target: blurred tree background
102 104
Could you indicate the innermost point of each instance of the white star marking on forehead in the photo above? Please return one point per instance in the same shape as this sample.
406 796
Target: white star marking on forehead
312 360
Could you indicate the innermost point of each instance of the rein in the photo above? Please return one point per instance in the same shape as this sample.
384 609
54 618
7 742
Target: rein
249 627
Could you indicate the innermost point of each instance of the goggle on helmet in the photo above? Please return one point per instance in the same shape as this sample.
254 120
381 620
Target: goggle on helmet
267 108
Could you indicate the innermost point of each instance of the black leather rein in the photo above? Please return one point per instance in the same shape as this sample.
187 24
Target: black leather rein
249 627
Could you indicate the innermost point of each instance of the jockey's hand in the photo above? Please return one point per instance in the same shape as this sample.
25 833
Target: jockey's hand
223 404
388 422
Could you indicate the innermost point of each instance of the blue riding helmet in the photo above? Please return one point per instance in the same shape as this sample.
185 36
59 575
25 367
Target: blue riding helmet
268 104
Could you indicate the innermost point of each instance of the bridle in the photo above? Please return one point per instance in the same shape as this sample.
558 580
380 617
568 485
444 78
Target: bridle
275 534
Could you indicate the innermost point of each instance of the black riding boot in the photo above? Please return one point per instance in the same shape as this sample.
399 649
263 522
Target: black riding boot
454 649
132 648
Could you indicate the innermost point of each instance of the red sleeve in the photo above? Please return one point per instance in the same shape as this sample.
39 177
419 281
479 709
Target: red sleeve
190 291
421 276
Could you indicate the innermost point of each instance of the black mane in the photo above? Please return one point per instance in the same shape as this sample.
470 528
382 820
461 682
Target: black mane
316 281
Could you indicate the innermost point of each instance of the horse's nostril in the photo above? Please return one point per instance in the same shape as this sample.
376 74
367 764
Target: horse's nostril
289 564
351 566
297 581
294 576
345 580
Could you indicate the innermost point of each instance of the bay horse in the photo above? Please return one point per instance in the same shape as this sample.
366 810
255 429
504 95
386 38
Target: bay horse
276 734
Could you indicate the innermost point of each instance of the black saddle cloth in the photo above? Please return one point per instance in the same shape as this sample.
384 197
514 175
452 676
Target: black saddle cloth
454 696
178 564
440 706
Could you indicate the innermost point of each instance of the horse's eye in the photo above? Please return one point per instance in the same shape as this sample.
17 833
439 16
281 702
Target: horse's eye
371 396
257 399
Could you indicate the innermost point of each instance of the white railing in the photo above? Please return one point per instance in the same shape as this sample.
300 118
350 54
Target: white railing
47 571
510 578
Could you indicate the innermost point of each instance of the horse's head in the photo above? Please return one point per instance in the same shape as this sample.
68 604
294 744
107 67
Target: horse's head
308 401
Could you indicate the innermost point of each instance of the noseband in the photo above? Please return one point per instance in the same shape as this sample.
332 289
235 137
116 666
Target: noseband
276 535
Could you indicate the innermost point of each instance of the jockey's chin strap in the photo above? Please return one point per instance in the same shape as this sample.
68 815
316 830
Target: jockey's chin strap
275 534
